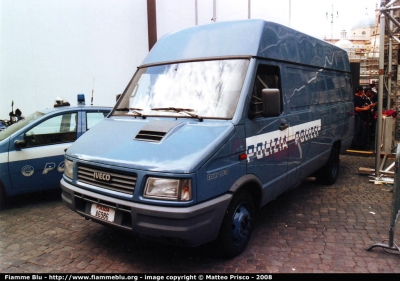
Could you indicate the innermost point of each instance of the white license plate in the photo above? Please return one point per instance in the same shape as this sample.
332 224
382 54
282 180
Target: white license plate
102 212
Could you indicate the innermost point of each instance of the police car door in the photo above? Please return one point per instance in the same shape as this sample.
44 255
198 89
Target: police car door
38 162
266 137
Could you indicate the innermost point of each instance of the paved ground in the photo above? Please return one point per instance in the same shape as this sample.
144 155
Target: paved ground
311 229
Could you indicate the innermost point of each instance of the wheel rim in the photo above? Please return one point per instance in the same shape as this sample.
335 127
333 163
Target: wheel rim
241 223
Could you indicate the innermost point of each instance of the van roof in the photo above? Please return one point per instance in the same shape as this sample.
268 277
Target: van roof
250 38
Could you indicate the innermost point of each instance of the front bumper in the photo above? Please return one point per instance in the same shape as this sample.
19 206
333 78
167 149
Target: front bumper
187 226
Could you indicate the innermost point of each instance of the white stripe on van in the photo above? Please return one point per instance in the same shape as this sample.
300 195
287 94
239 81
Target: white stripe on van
37 152
269 143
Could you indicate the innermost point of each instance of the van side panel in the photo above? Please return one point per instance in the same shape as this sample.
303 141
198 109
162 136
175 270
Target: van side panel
280 42
318 94
317 109
317 91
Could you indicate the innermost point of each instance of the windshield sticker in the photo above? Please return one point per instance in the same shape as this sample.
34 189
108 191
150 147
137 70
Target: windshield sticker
48 167
27 170
264 145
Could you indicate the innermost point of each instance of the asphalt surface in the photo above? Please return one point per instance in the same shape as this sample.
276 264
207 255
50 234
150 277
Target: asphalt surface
310 229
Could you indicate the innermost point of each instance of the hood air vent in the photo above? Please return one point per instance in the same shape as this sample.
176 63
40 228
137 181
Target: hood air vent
155 131
150 136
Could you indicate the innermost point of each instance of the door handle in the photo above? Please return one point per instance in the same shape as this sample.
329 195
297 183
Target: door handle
283 127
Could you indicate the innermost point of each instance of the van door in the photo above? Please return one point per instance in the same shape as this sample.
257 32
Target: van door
266 137
308 103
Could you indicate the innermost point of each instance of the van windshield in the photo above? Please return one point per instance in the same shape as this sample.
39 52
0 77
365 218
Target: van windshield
206 89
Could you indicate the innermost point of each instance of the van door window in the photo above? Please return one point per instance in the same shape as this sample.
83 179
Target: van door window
58 129
267 77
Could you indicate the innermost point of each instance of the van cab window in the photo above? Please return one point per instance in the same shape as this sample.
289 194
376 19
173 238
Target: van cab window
58 129
209 89
267 77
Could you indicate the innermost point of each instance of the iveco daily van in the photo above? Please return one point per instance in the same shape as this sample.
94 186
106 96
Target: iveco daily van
218 121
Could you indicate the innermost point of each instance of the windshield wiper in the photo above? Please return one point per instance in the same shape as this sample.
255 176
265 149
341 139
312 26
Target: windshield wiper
138 113
127 109
133 110
180 110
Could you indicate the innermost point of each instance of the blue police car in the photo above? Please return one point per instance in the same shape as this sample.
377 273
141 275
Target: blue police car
3 125
32 150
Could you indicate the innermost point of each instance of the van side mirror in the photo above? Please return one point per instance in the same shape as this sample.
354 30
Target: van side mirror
20 143
271 102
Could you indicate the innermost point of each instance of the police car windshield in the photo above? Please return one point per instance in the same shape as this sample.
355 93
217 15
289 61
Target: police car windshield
211 88
20 124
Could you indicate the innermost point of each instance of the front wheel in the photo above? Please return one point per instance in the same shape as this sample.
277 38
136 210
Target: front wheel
237 226
329 173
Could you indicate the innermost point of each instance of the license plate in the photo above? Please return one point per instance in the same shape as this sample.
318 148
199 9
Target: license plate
102 212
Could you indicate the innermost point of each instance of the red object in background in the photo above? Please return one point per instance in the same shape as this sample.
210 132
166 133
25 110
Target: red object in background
391 113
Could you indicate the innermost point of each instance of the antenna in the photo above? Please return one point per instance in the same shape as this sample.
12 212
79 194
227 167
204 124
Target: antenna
91 101
332 16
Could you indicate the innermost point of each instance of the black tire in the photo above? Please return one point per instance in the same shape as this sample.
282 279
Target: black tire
237 226
328 174
2 197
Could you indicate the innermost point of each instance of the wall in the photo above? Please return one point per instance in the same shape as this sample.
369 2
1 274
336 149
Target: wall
55 49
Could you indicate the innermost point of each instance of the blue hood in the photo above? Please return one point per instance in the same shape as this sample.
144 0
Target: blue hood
185 146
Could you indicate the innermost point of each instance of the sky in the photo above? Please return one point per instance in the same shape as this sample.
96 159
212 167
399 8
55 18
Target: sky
61 48
310 16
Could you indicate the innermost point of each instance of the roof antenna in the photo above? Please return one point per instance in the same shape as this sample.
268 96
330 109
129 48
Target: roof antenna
91 101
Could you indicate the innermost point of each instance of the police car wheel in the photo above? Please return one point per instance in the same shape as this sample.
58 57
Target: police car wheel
237 226
329 173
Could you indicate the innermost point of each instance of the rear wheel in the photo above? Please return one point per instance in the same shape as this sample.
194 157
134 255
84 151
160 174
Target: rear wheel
237 226
329 173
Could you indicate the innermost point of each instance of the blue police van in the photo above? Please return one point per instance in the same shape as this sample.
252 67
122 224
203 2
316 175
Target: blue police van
218 120
32 150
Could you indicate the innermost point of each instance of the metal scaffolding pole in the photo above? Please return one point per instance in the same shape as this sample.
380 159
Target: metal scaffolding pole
389 80
378 135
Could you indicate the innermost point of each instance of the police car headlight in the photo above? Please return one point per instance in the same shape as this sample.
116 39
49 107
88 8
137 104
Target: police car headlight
168 189
68 168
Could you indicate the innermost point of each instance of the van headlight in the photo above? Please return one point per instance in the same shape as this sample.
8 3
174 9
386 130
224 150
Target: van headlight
168 189
68 168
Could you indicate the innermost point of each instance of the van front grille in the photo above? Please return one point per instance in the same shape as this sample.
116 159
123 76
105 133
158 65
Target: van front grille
108 179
